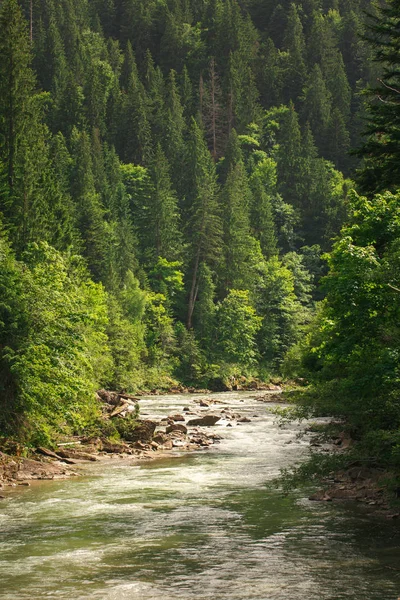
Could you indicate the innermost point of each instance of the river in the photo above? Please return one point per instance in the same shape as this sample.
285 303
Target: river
201 526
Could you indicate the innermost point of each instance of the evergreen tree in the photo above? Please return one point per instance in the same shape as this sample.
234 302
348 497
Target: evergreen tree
90 213
241 251
263 225
381 169
203 220
339 141
161 227
173 129
133 140
289 157
17 84
294 43
317 107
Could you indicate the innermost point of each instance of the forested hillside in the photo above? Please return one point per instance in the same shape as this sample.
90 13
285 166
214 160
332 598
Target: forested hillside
171 172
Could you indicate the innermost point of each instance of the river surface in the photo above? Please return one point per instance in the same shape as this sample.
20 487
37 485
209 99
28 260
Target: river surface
202 526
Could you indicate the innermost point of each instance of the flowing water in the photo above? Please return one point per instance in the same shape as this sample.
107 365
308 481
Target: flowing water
202 526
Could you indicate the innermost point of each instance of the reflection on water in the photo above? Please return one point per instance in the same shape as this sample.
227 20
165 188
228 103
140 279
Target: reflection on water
205 526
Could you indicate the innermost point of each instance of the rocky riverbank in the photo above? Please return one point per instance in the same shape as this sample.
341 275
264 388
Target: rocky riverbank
361 484
192 429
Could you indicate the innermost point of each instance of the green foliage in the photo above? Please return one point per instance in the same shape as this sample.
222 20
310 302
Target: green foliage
237 325
58 354
282 300
352 355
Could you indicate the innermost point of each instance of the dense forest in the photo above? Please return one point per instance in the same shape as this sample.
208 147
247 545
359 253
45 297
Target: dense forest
174 178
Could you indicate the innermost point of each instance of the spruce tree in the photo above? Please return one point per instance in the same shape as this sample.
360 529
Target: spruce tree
173 129
29 199
289 157
241 251
294 43
317 107
162 228
381 168
262 219
203 231
89 210
17 84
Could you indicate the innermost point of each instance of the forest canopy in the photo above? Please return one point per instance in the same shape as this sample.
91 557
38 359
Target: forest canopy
173 174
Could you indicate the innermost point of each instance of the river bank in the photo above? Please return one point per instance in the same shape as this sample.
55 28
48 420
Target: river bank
187 431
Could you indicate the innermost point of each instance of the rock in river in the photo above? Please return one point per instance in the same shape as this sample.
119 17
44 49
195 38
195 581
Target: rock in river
206 421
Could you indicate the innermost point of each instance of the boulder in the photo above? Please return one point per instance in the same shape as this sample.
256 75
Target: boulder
176 418
160 438
206 421
176 427
143 432
205 403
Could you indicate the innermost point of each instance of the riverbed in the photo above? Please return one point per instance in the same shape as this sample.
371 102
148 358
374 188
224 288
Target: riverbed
201 526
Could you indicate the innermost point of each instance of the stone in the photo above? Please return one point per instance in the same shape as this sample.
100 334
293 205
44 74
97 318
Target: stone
205 403
176 418
206 421
143 432
51 454
160 438
176 427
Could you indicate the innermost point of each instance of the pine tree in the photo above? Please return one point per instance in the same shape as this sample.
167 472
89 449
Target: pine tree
339 141
294 43
203 230
262 219
204 314
289 157
317 107
270 79
162 230
173 129
212 113
90 213
241 251
17 83
381 168
30 198
133 139
186 93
